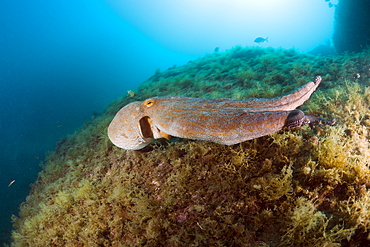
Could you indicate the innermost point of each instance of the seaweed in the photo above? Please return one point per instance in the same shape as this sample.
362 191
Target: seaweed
305 187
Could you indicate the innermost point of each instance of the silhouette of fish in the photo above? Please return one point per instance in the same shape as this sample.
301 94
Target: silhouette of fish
260 40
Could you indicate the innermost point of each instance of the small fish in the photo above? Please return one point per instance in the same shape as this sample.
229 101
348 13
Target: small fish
11 182
260 40
130 93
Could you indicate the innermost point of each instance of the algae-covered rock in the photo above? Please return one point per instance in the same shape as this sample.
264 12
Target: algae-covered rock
306 187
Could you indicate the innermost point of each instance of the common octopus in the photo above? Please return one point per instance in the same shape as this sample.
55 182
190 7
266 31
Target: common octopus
225 121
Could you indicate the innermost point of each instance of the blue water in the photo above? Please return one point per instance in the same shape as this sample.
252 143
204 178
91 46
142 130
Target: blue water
63 61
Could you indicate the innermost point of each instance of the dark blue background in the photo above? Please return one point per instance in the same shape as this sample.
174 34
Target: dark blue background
60 61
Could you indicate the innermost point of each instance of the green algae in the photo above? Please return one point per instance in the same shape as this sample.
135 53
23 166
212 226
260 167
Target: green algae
306 187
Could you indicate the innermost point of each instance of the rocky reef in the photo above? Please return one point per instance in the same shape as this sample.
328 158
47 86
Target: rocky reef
303 187
351 26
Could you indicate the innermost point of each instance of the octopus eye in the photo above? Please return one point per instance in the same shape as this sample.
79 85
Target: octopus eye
149 102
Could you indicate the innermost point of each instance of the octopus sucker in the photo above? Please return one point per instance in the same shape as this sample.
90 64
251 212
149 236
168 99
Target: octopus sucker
296 119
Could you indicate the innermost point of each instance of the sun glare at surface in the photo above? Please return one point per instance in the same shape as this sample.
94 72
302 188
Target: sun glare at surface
195 27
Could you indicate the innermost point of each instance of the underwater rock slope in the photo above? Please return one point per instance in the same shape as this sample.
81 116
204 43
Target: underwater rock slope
306 187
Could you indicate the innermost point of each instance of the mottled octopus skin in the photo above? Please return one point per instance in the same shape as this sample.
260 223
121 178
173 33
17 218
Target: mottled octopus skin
224 121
